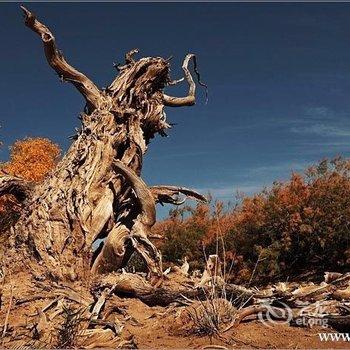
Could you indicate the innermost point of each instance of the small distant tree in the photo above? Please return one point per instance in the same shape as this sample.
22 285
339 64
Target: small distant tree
30 159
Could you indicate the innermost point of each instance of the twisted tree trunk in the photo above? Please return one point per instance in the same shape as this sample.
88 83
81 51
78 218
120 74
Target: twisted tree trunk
96 191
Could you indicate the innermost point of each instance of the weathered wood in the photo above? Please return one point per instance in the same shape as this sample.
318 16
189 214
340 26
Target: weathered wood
96 191
190 99
133 285
56 60
168 194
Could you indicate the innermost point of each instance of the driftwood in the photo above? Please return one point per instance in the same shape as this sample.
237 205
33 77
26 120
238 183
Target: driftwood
309 307
212 272
134 285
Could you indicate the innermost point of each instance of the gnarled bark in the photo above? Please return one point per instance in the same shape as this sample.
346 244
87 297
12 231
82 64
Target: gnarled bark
96 191
133 285
95 194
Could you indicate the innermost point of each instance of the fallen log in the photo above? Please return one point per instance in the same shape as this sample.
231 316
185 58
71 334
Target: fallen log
135 286
338 322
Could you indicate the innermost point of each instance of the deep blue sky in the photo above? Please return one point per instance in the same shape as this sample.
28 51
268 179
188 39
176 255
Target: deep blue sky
278 77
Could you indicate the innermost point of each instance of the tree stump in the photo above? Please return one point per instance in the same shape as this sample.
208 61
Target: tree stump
96 191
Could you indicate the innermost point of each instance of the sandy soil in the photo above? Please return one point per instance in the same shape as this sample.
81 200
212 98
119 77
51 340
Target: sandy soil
157 328
153 329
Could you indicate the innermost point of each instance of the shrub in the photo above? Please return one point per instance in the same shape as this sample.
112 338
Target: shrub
297 226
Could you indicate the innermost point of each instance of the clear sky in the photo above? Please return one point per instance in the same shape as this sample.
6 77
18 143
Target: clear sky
278 77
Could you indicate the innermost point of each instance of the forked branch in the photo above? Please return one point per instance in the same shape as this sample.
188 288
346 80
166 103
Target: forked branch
190 99
170 194
56 60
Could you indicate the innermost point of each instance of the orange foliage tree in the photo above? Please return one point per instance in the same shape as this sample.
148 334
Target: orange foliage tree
293 227
31 159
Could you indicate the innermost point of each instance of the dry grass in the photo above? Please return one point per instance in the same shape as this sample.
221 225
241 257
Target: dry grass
212 316
72 326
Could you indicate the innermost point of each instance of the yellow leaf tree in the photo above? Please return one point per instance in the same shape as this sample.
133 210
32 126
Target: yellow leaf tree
31 159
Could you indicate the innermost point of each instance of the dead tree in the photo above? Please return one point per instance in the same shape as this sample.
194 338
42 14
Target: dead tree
96 191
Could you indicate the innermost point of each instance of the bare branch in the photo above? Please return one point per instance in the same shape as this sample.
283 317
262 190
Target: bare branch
143 193
129 59
129 56
56 60
168 194
16 186
175 82
190 99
